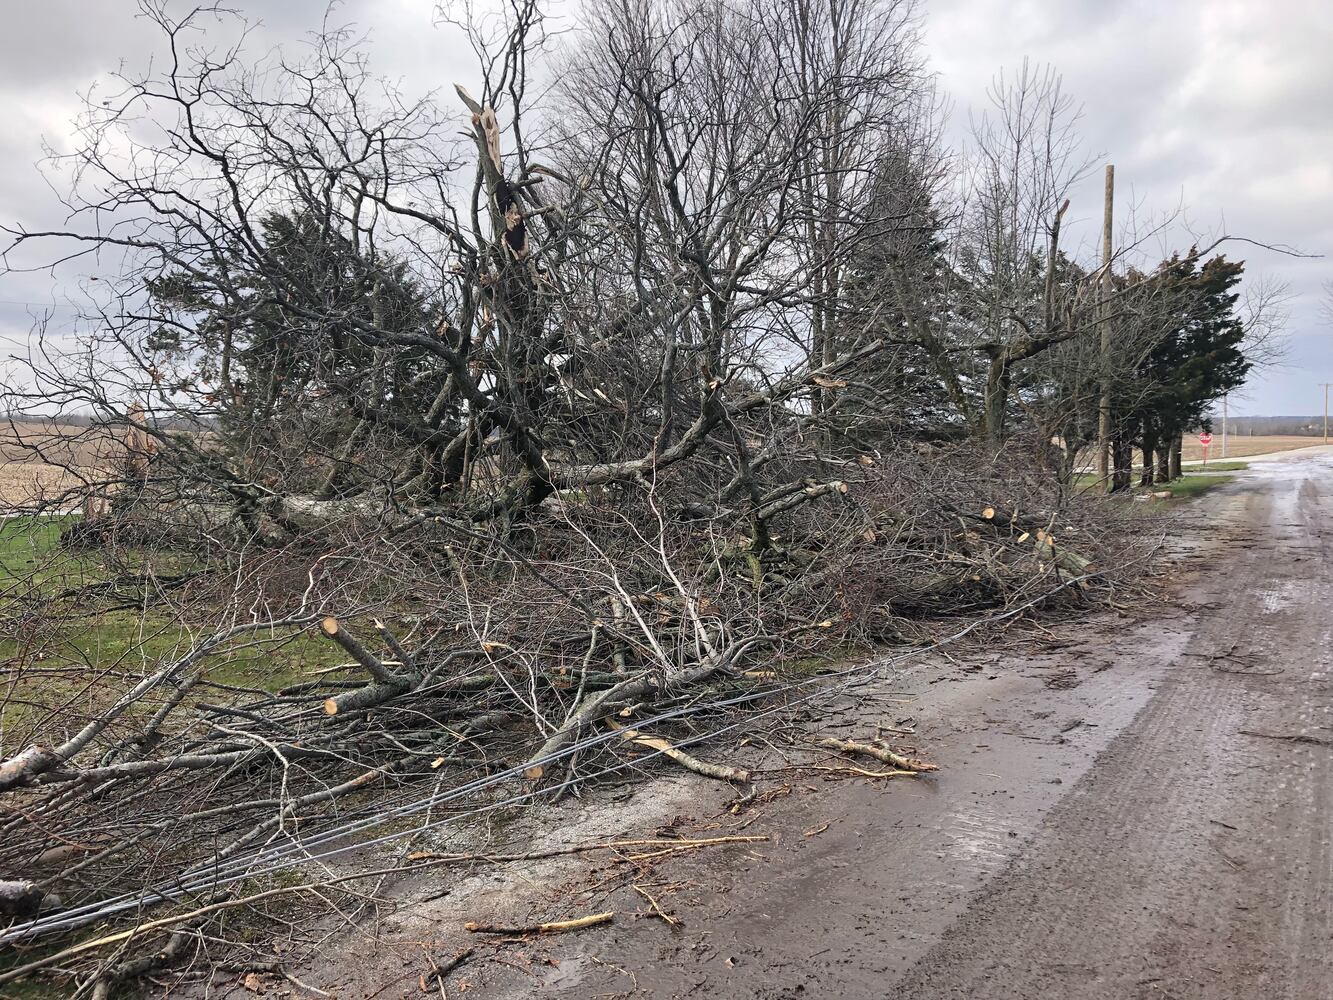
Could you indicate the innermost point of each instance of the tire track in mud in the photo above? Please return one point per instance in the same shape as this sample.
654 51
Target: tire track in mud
1193 860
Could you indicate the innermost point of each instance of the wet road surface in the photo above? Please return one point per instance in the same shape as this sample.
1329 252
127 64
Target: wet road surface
1144 813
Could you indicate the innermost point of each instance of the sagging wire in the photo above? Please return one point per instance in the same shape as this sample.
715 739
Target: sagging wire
268 861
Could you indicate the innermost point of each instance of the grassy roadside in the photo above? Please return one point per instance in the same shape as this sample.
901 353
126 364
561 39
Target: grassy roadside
1190 486
1218 467
75 645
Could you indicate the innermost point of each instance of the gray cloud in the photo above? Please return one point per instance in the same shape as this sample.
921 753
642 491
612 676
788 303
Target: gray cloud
1222 107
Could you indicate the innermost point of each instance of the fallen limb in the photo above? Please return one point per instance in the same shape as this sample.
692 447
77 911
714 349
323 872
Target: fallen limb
151 926
675 847
22 768
609 845
863 773
722 772
29 765
133 968
439 973
148 927
879 753
630 691
550 927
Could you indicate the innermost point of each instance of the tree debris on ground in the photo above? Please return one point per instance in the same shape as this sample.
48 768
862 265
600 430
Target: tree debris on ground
411 478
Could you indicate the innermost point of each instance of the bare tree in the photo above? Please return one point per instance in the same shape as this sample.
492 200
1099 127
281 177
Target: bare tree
413 456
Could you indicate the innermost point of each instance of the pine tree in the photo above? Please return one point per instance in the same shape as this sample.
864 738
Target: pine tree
1201 358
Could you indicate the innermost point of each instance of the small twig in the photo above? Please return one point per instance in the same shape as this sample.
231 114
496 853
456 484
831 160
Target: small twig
657 909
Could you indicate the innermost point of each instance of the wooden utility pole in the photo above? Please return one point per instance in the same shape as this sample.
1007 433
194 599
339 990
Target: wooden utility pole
1326 385
1104 405
1224 425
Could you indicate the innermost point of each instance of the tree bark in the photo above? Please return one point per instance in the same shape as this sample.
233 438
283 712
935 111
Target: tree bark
1149 448
1177 446
997 397
1122 453
24 899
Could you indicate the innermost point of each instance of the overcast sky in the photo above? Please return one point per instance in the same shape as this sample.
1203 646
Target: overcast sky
1224 107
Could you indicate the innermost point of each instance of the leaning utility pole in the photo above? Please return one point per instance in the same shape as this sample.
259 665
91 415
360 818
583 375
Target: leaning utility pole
1104 405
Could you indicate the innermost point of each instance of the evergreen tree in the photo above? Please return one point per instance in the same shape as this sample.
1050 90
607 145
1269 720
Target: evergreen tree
1201 357
281 379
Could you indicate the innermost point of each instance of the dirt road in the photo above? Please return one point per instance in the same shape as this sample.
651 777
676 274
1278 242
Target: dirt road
1142 814
1140 811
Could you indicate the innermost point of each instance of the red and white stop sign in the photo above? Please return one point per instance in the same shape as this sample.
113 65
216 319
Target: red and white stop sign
1205 439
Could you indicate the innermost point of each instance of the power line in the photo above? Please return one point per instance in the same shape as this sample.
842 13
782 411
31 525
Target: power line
39 305
265 862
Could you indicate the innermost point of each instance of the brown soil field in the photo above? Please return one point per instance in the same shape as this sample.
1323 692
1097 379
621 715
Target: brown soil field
40 460
1243 447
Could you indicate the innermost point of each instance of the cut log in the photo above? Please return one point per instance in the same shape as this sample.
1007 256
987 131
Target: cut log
364 697
373 664
1069 561
386 683
1043 541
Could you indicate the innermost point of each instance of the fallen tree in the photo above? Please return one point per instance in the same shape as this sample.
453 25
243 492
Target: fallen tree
439 462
